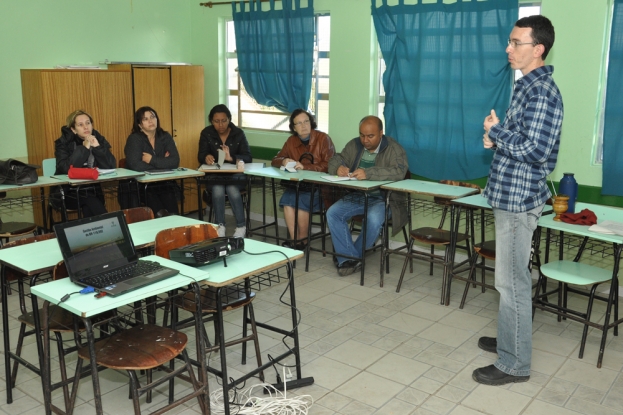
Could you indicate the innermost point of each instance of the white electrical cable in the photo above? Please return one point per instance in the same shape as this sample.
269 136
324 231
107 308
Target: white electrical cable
277 403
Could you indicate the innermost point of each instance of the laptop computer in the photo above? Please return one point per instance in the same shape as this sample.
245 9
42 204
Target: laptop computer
99 252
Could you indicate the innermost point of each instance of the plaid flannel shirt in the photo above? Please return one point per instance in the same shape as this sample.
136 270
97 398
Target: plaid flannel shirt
526 144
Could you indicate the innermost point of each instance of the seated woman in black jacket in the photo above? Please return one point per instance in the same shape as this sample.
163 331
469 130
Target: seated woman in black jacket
222 134
82 146
149 147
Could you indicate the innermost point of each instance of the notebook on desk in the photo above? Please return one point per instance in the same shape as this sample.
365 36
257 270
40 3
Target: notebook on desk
159 171
99 252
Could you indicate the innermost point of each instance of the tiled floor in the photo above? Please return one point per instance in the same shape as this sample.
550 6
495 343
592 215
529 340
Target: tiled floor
374 351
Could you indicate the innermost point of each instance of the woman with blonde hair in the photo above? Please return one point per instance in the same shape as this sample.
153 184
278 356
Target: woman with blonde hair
80 145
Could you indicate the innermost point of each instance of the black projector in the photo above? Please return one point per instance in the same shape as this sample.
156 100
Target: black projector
208 251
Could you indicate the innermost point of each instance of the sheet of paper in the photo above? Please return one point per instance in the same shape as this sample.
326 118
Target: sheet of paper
221 158
253 166
608 227
225 166
289 167
337 178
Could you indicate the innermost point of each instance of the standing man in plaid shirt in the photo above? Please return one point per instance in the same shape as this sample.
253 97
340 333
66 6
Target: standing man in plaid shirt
526 147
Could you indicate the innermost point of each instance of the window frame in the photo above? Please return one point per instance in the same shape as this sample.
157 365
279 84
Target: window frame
600 113
315 96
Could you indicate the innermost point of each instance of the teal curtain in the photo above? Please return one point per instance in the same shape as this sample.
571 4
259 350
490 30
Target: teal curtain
613 118
446 69
275 51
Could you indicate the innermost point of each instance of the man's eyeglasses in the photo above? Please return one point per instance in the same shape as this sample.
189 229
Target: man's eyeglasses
298 124
513 43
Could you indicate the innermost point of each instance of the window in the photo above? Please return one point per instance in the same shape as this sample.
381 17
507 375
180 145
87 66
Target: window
247 113
525 9
601 110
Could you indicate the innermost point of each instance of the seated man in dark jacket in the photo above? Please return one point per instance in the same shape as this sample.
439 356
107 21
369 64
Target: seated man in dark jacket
372 156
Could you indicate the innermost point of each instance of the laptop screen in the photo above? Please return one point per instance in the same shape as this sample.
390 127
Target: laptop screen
96 244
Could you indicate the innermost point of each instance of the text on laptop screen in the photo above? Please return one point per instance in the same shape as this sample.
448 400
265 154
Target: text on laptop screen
95 243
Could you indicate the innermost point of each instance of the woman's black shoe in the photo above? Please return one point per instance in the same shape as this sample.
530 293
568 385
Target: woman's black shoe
290 244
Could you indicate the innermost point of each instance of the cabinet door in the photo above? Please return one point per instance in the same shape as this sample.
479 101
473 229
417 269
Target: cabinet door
152 88
188 111
106 95
50 95
188 120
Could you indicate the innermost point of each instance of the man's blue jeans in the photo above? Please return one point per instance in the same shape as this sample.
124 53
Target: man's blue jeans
337 218
513 236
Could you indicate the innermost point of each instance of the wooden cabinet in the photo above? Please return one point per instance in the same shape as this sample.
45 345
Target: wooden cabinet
111 96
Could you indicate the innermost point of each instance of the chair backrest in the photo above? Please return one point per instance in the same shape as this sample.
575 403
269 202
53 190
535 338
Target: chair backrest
12 274
49 167
462 184
122 163
29 240
138 214
169 239
446 201
60 271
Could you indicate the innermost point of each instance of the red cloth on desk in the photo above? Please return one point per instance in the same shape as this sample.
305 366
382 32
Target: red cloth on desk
585 217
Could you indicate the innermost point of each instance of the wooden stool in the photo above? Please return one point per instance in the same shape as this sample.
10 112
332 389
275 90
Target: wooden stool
146 347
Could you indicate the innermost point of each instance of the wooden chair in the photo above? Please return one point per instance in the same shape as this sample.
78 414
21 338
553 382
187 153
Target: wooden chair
147 347
485 250
438 236
49 168
138 214
14 229
13 275
61 321
232 296
356 223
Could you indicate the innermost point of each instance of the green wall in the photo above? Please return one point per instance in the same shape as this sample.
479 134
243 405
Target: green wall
43 33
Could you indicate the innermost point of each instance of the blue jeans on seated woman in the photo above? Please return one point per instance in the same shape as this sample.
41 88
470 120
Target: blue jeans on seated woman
338 216
289 199
232 187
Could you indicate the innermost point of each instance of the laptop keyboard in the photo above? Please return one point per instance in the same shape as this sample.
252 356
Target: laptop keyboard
122 274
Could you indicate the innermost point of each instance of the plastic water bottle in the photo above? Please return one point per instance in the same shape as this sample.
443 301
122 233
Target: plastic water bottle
569 187
240 165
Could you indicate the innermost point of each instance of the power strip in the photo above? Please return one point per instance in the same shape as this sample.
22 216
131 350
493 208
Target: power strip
292 384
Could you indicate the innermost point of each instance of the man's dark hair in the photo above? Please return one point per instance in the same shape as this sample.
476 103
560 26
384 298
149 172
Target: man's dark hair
542 31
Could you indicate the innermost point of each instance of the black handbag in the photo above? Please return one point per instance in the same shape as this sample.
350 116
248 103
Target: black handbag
16 172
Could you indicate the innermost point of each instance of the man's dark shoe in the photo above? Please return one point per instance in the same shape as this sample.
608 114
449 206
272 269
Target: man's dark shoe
348 267
288 244
491 375
488 344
